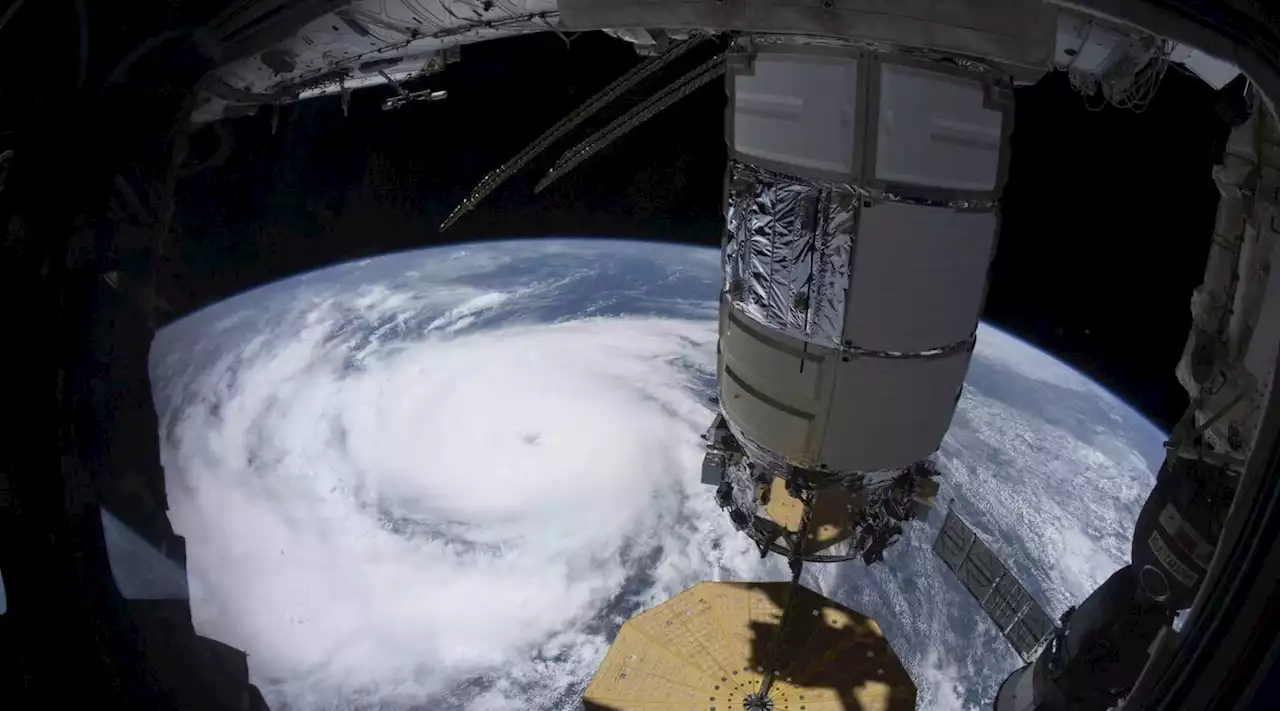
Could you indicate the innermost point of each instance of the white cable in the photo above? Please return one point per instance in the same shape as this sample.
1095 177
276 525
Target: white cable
1139 91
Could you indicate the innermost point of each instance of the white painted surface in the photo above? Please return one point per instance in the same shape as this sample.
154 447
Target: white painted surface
935 131
1215 72
888 413
919 276
798 110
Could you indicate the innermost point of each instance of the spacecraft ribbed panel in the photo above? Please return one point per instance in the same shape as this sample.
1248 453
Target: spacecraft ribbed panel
708 646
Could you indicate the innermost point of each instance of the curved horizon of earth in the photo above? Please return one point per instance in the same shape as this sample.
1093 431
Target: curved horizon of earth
443 478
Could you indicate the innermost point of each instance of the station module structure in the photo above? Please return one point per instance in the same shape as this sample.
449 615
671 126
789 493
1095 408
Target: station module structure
861 216
858 235
867 152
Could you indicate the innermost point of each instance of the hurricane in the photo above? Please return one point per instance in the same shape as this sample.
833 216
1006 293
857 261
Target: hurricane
443 479
390 511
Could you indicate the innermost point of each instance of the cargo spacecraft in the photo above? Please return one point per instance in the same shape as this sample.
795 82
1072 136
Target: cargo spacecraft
868 149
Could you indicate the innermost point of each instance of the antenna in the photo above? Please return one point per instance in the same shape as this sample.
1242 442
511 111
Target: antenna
602 98
642 112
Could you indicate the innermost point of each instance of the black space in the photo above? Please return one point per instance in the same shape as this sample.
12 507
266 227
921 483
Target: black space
1107 215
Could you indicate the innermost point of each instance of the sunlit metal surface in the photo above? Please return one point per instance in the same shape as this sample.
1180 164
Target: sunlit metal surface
787 251
352 43
707 648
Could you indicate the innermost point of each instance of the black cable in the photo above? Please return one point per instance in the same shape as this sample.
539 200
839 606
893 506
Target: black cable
796 560
82 23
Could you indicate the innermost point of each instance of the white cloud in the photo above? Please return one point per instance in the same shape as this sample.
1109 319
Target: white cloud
1072 510
379 521
940 682
456 508
464 314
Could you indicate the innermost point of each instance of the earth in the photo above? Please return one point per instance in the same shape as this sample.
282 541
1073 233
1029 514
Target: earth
443 478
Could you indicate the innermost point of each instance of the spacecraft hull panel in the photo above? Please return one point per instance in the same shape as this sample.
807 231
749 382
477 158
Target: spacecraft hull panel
888 412
799 111
856 252
933 259
771 422
936 129
846 412
772 388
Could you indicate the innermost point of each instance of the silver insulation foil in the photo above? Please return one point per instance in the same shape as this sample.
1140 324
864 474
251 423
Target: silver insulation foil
743 483
787 251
